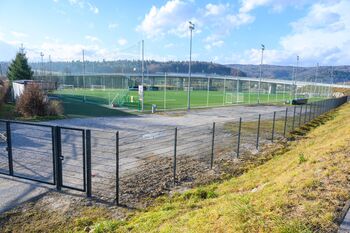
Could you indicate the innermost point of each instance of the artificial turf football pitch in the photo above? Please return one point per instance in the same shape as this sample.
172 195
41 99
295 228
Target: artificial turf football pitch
169 99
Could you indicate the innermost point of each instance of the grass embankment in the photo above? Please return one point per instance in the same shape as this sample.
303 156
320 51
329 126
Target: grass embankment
301 190
72 109
8 112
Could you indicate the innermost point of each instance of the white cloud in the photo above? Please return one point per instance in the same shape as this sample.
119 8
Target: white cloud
323 36
112 26
93 8
84 4
213 41
169 45
18 34
92 39
170 17
215 9
122 41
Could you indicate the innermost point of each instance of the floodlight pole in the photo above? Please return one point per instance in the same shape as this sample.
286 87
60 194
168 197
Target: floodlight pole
42 65
332 82
295 77
84 69
260 76
50 68
316 78
191 27
143 71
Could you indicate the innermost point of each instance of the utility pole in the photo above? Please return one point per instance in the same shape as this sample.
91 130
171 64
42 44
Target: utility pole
191 27
260 76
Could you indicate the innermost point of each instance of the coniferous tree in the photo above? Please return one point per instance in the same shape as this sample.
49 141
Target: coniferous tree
19 68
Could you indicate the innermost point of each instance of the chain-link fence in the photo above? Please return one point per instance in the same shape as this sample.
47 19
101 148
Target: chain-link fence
127 167
173 91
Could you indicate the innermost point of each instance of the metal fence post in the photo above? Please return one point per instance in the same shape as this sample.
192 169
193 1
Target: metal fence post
239 136
258 133
285 123
273 126
174 161
88 162
212 147
295 108
310 112
300 114
9 147
117 168
58 157
305 114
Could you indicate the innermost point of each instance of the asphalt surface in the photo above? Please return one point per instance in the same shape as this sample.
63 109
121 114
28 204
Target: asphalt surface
142 137
14 192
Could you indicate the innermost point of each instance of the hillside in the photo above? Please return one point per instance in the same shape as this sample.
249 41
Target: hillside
131 66
302 188
341 73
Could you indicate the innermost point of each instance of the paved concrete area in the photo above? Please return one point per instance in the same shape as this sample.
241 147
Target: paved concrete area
345 225
14 192
32 152
158 122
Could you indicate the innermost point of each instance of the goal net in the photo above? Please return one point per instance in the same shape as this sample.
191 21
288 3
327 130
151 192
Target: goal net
97 87
121 98
65 86
186 88
232 98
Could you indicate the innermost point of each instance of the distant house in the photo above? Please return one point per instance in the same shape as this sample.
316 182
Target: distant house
19 86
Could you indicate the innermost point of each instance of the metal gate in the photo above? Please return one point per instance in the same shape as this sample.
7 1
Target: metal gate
47 154
71 158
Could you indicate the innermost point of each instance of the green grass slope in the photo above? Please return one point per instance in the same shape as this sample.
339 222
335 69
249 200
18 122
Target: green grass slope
302 190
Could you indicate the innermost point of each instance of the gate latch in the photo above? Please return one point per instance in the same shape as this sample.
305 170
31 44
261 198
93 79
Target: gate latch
61 157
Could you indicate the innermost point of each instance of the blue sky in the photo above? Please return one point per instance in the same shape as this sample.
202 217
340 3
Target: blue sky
226 31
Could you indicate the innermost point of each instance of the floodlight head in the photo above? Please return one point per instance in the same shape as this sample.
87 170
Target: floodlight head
262 47
191 25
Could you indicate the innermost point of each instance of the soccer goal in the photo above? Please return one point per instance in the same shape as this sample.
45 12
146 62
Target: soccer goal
97 87
65 86
186 88
232 98
121 98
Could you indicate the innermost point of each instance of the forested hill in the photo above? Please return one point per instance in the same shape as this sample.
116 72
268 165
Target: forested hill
341 73
127 66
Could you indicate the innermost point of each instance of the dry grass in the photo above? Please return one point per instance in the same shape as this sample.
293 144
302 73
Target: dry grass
302 188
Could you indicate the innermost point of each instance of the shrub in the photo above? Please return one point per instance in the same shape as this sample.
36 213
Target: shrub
32 102
4 89
54 108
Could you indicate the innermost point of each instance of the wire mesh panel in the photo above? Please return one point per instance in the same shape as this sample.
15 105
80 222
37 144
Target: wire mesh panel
32 151
279 125
194 147
266 127
145 164
249 134
4 165
73 158
103 164
226 137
